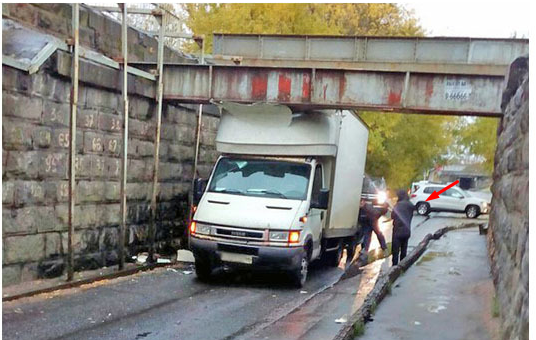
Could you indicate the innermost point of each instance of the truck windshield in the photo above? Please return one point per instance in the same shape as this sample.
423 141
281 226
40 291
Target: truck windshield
258 177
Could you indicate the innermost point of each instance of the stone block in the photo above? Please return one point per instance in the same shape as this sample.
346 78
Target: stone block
141 108
29 192
90 191
182 116
110 122
113 145
29 272
87 118
84 216
8 190
21 106
112 191
53 164
109 214
42 137
93 142
56 114
61 139
140 129
55 245
181 153
24 164
102 99
136 170
138 191
88 262
113 168
16 80
24 248
11 275
208 138
16 135
146 149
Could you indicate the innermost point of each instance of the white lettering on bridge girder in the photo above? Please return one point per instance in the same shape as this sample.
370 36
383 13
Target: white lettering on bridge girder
458 89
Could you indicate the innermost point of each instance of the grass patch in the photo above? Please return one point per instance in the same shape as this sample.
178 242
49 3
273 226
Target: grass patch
359 328
431 255
495 310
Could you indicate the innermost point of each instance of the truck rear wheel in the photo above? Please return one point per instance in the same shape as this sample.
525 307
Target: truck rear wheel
203 268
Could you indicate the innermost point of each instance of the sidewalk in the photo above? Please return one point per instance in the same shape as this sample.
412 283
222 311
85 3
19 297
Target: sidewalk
447 294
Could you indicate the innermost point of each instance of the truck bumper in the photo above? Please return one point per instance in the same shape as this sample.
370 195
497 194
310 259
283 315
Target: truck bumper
263 257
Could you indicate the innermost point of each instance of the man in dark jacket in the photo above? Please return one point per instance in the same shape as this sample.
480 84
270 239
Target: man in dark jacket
402 214
368 218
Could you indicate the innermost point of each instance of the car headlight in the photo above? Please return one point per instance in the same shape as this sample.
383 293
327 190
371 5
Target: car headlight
279 236
202 228
382 197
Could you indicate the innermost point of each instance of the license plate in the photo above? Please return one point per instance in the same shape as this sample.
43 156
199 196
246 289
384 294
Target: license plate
237 258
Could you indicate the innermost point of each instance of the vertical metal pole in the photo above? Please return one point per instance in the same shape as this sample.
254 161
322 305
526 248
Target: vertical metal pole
125 142
152 226
197 138
72 143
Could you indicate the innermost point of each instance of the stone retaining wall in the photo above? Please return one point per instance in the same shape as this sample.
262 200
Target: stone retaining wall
35 146
508 238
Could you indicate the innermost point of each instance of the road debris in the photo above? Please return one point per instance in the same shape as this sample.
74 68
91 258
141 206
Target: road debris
417 323
142 258
172 270
160 260
187 272
184 255
303 292
342 319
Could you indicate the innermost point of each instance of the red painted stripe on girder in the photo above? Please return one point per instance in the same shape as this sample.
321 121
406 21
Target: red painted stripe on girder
306 88
394 98
259 86
284 88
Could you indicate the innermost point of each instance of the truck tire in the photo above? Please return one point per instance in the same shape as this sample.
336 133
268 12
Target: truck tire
299 275
203 268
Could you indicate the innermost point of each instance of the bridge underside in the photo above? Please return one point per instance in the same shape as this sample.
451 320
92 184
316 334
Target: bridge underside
311 88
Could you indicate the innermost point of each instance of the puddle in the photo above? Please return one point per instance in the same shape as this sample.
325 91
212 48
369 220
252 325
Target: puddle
431 255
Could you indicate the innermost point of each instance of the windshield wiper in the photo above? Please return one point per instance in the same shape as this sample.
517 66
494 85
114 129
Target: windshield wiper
273 192
229 191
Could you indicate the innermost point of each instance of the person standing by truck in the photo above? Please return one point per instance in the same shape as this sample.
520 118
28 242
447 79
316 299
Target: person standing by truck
402 215
368 218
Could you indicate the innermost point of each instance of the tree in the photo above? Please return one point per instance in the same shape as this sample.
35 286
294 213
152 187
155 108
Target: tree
299 18
480 139
402 146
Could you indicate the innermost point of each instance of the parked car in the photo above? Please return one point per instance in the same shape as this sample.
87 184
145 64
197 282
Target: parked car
452 200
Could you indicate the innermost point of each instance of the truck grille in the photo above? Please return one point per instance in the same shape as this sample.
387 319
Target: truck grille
244 234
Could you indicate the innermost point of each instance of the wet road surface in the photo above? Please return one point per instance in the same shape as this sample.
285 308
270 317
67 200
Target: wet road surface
167 304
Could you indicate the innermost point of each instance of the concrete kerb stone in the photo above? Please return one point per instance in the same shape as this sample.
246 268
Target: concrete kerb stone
382 286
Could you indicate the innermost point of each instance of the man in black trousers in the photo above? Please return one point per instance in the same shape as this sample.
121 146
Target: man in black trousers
402 214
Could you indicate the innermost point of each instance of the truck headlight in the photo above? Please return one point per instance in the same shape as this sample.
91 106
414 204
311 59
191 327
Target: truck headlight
382 197
202 228
278 236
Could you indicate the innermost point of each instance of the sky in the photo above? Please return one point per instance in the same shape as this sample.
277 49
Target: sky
473 19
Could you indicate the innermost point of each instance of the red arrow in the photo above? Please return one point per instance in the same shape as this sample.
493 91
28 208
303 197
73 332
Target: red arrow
435 195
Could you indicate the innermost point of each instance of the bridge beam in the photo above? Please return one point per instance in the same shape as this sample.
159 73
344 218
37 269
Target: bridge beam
312 88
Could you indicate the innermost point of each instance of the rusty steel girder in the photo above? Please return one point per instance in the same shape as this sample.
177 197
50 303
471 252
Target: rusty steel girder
311 88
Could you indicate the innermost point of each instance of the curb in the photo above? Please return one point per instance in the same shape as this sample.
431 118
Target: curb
381 288
81 282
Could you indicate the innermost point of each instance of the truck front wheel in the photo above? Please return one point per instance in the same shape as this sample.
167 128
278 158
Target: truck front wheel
299 275
203 268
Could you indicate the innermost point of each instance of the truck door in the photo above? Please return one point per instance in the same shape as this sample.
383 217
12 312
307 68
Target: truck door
317 217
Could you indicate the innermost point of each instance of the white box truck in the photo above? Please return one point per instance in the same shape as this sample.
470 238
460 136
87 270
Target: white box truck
284 192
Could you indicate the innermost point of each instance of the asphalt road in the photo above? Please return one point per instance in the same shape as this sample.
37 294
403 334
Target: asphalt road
168 304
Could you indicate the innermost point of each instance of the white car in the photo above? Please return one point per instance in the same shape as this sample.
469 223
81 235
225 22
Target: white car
452 200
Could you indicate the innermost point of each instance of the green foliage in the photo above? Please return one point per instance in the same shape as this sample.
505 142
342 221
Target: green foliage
480 138
299 18
359 328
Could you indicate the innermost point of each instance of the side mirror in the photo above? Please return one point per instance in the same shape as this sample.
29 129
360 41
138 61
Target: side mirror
200 185
323 199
